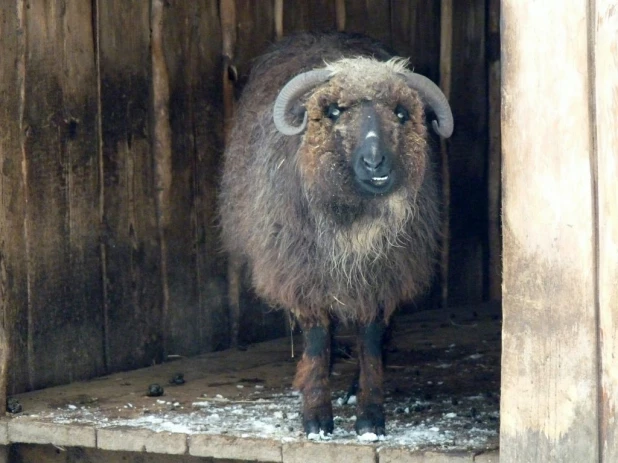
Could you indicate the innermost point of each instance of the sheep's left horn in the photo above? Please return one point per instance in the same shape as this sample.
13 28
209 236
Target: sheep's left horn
293 90
433 96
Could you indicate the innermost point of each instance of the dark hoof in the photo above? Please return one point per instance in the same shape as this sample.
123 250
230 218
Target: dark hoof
371 420
318 420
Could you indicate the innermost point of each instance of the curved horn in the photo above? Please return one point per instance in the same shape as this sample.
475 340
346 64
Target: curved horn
290 93
432 95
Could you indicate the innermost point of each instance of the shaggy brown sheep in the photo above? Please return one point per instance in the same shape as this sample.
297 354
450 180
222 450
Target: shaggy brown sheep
329 197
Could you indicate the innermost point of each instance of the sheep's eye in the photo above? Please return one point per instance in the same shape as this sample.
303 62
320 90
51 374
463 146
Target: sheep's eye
333 111
402 114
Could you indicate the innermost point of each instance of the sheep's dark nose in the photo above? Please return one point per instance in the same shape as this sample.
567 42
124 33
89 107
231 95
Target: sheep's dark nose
373 162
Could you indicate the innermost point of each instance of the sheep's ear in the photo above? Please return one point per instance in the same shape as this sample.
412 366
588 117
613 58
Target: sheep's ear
432 96
288 95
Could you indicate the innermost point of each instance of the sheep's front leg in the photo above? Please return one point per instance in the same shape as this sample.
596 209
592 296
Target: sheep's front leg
370 395
312 378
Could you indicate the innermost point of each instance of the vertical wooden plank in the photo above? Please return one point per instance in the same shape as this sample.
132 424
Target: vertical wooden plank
468 154
415 32
82 172
162 154
494 167
295 16
371 17
446 65
65 319
278 18
605 27
131 245
340 14
322 15
256 31
13 251
195 269
311 15
549 362
228 47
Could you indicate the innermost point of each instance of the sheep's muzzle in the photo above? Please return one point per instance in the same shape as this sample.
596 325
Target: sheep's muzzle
373 161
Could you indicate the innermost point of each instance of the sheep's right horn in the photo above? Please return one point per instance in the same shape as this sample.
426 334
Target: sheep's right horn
433 96
293 90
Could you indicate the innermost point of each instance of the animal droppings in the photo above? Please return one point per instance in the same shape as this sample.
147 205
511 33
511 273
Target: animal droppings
13 406
178 379
155 390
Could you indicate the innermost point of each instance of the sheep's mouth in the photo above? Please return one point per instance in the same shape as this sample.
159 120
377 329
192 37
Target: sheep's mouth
379 181
377 184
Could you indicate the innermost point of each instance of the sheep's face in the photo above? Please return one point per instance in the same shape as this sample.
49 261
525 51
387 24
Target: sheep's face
365 142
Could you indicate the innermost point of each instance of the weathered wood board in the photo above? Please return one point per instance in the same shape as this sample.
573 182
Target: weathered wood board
605 24
13 265
549 362
130 242
61 172
196 146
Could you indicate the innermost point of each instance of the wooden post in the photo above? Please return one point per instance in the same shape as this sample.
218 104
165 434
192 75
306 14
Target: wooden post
549 359
604 25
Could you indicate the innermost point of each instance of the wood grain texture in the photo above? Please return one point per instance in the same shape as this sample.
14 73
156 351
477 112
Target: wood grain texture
371 17
605 24
228 68
131 244
295 16
322 15
65 311
196 320
340 14
468 154
13 250
255 32
549 364
446 80
162 154
415 32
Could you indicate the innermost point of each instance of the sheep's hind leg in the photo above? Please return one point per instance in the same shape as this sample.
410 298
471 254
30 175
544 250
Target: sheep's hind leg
312 378
370 395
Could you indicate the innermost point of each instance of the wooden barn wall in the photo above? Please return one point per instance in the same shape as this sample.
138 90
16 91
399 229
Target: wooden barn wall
112 129
560 330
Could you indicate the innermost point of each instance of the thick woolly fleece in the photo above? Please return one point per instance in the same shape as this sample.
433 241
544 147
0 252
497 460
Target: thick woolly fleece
290 205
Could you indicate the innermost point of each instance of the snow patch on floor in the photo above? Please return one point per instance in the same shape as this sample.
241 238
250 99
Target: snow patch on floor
415 424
